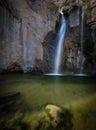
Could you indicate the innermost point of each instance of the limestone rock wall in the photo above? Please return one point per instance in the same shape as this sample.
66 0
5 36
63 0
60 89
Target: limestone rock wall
10 43
23 27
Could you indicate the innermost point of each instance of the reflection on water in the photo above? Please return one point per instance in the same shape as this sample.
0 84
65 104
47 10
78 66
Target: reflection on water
41 89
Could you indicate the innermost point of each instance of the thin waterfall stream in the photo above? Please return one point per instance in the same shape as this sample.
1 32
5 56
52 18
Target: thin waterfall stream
82 40
81 44
60 36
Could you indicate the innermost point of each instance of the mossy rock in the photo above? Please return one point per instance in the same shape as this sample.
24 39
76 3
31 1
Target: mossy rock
50 117
60 118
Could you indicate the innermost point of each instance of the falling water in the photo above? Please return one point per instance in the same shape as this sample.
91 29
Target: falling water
82 39
60 41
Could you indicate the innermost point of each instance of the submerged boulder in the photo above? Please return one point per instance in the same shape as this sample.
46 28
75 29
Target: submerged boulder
51 117
53 111
60 118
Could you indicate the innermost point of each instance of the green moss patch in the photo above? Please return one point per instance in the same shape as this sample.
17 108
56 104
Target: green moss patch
84 113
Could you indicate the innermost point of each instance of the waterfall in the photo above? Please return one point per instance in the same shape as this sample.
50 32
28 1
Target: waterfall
60 42
82 39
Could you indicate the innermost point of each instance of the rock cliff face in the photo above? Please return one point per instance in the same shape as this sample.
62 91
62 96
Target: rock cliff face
28 31
24 25
91 14
90 38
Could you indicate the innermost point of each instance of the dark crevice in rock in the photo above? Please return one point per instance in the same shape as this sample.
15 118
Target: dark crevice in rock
9 6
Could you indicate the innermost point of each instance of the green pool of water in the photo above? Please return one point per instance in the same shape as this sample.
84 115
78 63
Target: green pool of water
37 90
